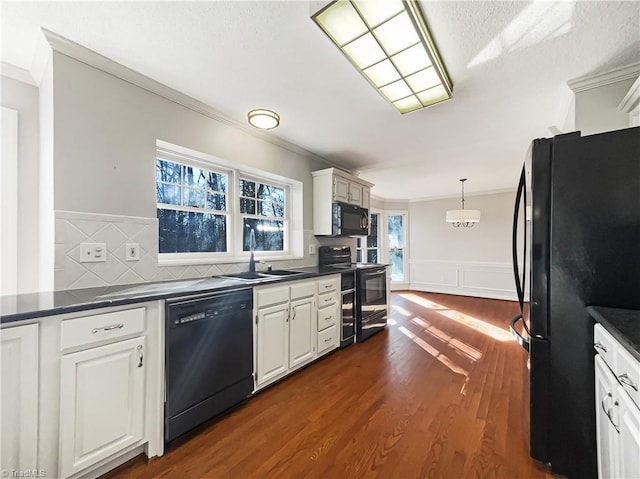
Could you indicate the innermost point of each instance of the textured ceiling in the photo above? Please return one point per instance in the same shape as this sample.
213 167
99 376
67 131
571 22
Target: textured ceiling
509 63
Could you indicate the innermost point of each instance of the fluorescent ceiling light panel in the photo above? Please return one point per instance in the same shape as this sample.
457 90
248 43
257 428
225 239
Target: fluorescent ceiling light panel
389 43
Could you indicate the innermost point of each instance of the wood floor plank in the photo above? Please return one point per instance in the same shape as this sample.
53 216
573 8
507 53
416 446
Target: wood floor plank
438 394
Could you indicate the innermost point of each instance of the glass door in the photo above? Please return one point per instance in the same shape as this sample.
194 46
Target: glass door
396 232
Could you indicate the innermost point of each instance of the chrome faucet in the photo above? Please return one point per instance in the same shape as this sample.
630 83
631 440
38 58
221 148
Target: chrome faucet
252 248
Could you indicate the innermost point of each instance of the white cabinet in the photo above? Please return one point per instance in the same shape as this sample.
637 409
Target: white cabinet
19 398
101 403
328 314
301 346
606 430
272 342
617 413
288 324
102 388
330 186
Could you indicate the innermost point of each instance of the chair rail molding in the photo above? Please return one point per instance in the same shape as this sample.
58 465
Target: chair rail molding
484 279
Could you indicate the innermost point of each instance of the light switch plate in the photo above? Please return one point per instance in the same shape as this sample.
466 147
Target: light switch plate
93 252
312 248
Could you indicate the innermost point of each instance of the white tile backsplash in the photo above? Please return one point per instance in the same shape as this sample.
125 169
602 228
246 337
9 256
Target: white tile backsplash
73 228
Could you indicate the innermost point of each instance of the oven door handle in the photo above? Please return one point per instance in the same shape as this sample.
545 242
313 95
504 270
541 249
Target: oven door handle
348 291
374 273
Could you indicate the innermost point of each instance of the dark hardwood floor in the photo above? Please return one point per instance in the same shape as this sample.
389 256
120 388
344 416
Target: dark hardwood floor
439 394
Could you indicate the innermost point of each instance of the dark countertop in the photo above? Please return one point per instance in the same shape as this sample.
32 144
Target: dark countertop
623 324
37 305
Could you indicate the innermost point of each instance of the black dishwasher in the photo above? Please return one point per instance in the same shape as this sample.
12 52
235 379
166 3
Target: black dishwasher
208 358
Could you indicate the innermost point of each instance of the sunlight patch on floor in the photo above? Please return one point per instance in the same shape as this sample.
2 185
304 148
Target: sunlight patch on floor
399 309
469 351
443 358
461 318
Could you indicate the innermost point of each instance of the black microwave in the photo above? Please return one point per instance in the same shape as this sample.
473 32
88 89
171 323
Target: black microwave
349 220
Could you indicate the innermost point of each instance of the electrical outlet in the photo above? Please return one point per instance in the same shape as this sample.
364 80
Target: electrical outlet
93 252
132 251
312 248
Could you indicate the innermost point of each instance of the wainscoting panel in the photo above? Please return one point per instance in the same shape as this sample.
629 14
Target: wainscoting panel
479 279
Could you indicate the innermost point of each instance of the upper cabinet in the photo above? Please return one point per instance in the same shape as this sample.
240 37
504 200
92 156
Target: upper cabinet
335 186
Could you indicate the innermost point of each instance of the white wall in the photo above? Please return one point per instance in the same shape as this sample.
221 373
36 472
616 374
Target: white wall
105 132
469 261
596 109
23 98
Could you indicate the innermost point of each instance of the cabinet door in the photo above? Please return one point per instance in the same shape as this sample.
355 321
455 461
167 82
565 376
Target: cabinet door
366 197
340 189
355 194
272 342
19 397
606 434
629 451
301 332
102 397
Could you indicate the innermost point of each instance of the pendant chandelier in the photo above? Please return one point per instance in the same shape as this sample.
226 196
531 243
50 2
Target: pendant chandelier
462 217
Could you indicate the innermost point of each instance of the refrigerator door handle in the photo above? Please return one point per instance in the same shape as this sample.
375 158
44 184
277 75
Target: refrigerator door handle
520 196
522 341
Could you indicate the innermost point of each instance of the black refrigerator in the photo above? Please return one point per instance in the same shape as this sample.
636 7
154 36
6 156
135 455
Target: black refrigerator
578 203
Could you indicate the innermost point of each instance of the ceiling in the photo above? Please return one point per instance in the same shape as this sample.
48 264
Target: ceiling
509 63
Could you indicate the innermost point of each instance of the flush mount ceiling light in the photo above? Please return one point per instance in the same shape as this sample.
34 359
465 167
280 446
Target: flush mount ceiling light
466 218
264 119
389 43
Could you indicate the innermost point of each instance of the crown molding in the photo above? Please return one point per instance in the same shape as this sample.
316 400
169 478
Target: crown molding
89 57
466 195
589 82
632 98
16 73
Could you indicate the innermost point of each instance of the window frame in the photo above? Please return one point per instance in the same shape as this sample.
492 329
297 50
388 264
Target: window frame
405 245
292 243
363 239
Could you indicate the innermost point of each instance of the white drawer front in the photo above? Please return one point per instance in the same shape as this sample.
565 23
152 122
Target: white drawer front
328 299
303 289
628 372
100 327
269 296
327 317
605 345
327 339
327 285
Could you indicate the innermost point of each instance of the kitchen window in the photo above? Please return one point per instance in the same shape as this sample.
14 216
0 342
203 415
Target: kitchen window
396 231
207 207
263 209
368 249
192 208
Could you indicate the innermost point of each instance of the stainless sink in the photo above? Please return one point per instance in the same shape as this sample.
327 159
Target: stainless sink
246 275
282 272
250 275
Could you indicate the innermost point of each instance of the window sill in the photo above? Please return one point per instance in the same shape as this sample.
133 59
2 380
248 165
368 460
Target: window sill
226 260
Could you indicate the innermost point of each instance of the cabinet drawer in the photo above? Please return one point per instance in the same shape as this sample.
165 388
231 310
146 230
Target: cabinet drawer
327 317
605 345
327 285
628 372
303 290
269 296
327 299
327 339
100 327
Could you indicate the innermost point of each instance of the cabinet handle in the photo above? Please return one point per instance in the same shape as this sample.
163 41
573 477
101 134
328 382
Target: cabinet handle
327 300
607 411
294 314
624 379
140 355
108 328
600 346
327 286
329 317
327 340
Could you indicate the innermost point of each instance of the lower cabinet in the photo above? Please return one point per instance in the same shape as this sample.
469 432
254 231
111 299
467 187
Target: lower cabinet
19 398
617 411
272 342
287 332
102 399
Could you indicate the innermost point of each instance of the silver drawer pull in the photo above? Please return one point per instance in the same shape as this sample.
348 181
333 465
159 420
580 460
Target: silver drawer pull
327 340
108 328
327 300
329 317
327 286
600 346
624 379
